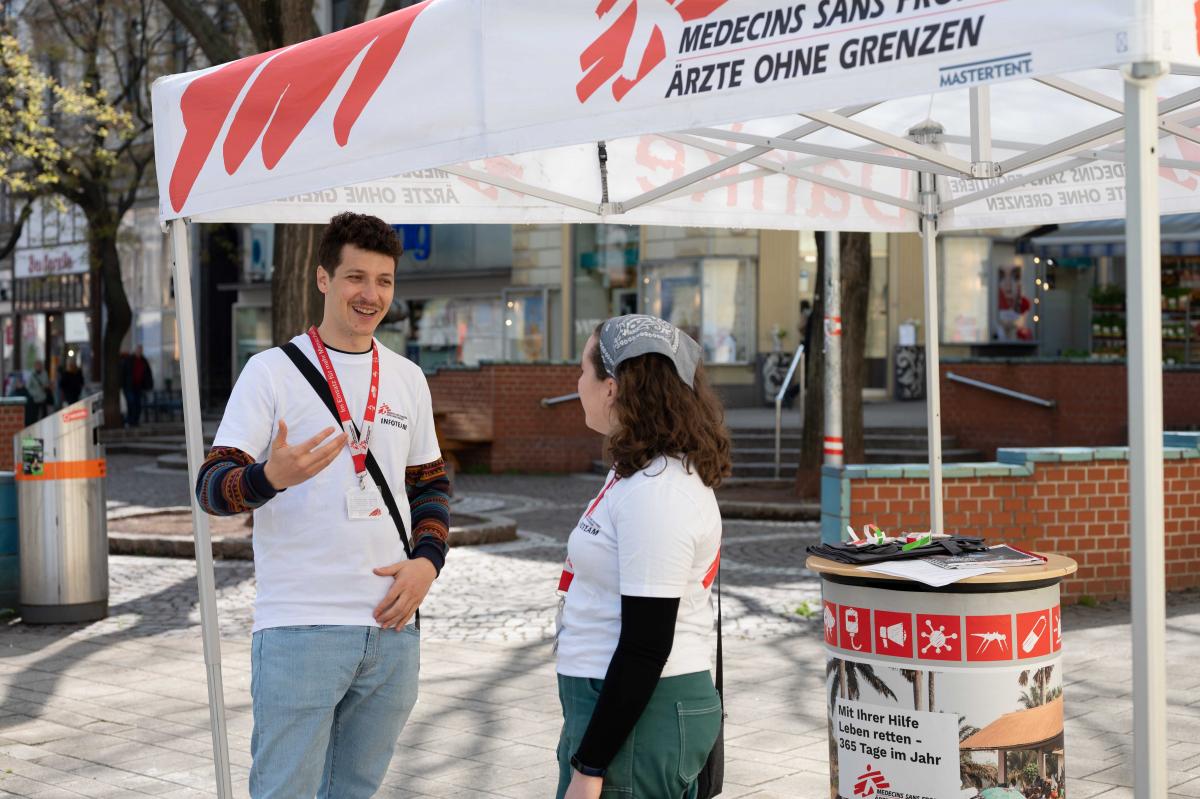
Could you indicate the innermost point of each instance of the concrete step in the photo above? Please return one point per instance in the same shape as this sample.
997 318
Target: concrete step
764 468
789 438
921 455
175 460
904 440
751 454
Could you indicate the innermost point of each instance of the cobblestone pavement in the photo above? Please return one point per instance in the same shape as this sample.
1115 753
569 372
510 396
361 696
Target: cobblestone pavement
119 707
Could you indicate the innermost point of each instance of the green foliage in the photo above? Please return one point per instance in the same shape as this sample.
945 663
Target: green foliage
45 126
807 609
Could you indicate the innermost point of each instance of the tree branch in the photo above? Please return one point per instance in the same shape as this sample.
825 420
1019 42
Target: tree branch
216 46
18 226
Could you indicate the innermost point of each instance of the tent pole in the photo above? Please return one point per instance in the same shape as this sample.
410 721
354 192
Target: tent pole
1146 525
205 577
834 447
927 133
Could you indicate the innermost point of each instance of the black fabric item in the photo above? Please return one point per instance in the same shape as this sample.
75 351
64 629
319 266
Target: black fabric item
711 780
647 635
321 386
879 553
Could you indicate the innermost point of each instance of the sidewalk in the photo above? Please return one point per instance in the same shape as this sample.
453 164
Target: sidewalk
118 708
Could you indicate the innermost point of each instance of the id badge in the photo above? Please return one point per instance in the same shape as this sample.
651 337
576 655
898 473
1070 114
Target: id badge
363 504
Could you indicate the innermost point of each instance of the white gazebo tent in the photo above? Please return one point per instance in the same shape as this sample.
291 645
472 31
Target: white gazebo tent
716 113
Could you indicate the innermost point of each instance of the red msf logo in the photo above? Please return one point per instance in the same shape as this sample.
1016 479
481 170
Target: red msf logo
869 782
605 57
284 96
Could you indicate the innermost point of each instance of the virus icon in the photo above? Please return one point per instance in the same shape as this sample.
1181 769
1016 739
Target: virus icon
937 638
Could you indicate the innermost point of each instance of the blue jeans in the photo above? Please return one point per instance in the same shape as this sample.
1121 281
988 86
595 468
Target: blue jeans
329 703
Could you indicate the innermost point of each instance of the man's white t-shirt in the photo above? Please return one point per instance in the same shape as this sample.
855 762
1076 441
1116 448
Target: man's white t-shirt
656 533
312 564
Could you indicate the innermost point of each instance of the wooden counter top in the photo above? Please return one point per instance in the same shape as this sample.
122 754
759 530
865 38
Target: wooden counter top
1056 566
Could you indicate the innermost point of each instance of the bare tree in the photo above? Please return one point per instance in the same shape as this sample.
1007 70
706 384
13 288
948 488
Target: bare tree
855 288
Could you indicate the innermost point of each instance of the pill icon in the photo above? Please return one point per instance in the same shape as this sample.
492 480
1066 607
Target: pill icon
1035 634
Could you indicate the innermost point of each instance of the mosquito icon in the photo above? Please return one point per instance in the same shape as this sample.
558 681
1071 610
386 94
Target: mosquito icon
987 639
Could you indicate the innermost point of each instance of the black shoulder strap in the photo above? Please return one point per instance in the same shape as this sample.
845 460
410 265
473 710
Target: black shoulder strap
321 386
720 682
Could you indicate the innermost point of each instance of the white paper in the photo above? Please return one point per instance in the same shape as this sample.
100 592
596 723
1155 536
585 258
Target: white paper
922 572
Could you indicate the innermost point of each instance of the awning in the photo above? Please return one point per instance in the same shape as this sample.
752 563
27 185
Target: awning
1032 728
1180 236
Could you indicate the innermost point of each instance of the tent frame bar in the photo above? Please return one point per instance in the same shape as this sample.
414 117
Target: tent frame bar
524 188
792 170
926 154
1104 101
720 166
831 153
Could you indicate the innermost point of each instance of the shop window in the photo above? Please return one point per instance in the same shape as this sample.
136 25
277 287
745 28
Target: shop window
529 324
963 275
605 259
710 299
443 331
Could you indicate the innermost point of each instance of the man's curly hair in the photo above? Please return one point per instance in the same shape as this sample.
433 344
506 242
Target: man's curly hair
365 232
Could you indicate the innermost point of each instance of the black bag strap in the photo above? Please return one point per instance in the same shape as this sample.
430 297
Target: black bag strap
719 681
321 386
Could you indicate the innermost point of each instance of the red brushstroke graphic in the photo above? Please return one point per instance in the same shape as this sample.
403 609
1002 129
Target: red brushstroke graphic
605 56
284 96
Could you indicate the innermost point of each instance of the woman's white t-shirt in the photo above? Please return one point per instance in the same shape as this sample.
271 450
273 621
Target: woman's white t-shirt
656 533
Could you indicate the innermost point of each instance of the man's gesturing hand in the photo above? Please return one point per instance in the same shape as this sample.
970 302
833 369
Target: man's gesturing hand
410 583
291 465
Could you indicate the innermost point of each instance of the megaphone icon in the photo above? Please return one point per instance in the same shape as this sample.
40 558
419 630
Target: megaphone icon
895 634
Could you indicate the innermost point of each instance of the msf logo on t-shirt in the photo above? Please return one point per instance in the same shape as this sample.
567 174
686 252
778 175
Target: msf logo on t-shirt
389 417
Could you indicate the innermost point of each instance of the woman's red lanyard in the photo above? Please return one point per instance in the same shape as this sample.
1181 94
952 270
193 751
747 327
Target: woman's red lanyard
358 441
568 572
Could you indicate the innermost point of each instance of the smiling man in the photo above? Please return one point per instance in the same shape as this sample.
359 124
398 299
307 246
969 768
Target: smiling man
335 658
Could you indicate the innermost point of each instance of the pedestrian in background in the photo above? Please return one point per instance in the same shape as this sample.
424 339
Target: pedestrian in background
70 382
16 388
41 396
335 653
635 638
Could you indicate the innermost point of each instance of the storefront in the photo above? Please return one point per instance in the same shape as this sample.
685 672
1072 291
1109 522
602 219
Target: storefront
1087 260
53 296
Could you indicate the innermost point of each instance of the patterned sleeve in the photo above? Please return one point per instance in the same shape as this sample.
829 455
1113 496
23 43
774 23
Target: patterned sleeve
230 482
428 489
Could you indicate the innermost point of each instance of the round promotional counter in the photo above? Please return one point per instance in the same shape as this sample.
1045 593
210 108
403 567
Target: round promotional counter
944 693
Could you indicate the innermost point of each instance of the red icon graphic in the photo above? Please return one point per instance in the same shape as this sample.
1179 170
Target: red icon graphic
1056 629
856 629
869 781
989 638
939 637
1033 633
830 617
605 57
893 634
284 96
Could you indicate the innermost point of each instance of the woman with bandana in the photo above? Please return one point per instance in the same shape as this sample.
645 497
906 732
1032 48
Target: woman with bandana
636 632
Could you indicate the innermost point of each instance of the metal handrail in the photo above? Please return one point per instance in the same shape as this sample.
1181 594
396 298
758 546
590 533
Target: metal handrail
1008 392
548 401
798 358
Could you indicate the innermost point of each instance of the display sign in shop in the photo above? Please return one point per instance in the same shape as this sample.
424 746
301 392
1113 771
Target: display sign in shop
950 638
894 753
67 259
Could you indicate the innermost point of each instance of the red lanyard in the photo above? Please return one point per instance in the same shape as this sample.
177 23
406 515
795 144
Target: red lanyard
358 441
596 501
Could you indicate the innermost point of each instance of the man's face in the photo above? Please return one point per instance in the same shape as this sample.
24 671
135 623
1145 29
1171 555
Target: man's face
359 292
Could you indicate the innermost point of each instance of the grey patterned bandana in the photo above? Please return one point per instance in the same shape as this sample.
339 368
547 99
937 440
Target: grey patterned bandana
626 337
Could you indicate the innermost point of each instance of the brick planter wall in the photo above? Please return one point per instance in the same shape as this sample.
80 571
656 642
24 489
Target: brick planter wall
1072 501
12 421
500 406
1092 404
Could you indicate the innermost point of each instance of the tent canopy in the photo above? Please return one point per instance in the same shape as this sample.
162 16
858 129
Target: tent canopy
744 113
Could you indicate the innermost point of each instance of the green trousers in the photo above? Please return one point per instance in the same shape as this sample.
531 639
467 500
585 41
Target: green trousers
666 750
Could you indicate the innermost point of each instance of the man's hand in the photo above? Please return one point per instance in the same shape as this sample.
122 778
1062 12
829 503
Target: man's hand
288 466
410 583
583 787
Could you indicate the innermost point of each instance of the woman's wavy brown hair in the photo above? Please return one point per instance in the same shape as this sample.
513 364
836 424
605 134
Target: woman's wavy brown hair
657 414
